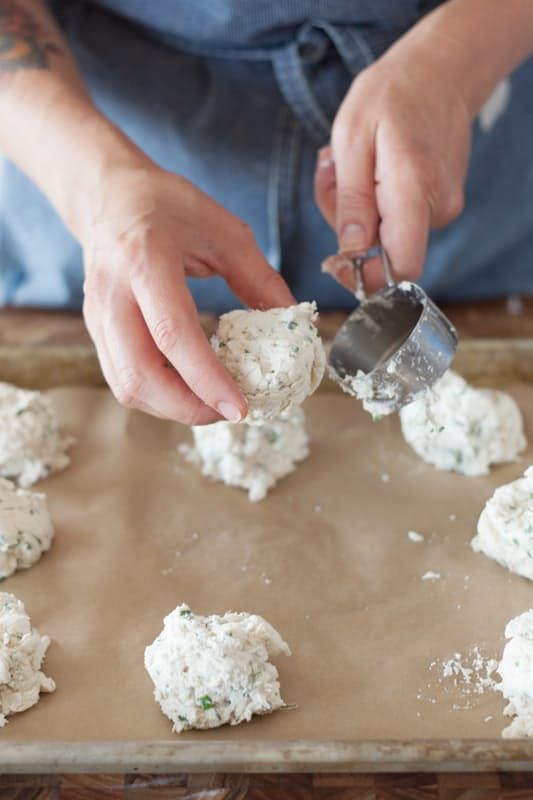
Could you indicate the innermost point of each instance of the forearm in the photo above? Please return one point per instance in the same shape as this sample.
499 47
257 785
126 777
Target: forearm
475 43
49 126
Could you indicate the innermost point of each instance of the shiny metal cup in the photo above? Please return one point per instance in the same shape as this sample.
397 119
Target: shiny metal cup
397 337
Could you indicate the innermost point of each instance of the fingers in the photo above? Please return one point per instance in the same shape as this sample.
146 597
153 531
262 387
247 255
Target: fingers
405 221
136 372
325 185
170 315
245 269
356 209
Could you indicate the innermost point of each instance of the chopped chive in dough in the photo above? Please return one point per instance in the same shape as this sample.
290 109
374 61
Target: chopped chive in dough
206 702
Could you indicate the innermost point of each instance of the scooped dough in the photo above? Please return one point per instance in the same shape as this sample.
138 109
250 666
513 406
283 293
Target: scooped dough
31 446
459 428
516 670
253 457
505 527
22 650
212 671
26 529
276 357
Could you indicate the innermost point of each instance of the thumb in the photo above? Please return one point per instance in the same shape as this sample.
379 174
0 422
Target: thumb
357 216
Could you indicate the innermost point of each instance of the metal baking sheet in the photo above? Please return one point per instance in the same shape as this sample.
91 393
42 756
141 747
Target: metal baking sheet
325 558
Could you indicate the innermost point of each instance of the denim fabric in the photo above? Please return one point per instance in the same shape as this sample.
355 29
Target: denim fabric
237 96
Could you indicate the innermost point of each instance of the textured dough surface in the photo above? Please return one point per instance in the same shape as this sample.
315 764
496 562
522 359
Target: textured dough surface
276 357
215 670
31 445
516 671
505 527
252 457
462 429
22 650
26 530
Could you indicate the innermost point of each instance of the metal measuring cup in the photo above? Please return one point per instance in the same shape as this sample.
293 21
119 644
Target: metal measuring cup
394 346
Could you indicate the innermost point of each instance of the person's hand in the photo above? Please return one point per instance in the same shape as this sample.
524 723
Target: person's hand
147 230
397 161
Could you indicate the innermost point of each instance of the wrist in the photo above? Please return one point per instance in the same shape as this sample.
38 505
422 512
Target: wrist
103 152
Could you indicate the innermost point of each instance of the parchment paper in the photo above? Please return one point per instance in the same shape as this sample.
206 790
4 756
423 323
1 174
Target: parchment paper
325 558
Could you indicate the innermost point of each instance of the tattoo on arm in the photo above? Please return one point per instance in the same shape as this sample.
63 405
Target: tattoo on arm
23 45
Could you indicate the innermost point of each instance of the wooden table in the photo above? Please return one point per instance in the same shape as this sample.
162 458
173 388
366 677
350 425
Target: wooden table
32 333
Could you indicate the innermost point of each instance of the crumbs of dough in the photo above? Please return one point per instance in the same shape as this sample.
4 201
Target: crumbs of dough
430 575
414 536
215 670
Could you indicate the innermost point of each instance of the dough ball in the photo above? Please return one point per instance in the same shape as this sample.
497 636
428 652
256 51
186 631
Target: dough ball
276 357
456 427
31 446
212 671
252 457
22 650
516 670
505 527
26 530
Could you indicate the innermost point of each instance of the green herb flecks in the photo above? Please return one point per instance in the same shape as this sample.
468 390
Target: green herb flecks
206 702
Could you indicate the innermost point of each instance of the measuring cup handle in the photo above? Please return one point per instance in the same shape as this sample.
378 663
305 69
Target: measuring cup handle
387 268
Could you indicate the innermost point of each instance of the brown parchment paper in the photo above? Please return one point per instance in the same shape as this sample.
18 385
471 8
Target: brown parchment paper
325 558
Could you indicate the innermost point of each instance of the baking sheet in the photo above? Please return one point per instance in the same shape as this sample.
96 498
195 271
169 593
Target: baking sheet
326 559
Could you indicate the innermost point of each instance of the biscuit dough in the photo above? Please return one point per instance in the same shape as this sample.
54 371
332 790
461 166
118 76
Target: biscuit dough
276 357
516 671
22 650
505 527
462 429
31 445
252 457
215 670
26 529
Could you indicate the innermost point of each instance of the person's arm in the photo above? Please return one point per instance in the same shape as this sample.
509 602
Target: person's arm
401 138
142 229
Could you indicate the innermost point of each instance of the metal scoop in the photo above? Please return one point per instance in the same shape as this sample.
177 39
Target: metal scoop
394 346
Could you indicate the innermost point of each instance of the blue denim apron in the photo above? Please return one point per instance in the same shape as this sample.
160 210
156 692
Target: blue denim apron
238 97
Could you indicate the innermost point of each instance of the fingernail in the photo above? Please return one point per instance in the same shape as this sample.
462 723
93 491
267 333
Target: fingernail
324 158
353 237
229 412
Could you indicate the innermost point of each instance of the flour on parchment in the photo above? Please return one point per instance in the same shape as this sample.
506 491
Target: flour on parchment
252 457
276 357
505 527
31 445
26 530
459 428
516 671
215 670
22 650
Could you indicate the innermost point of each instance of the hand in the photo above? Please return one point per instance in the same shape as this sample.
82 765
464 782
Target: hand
397 161
147 231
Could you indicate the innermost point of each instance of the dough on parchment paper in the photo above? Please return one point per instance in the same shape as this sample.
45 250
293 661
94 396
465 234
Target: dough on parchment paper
505 527
516 671
276 357
214 670
22 650
31 445
252 457
26 530
459 428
